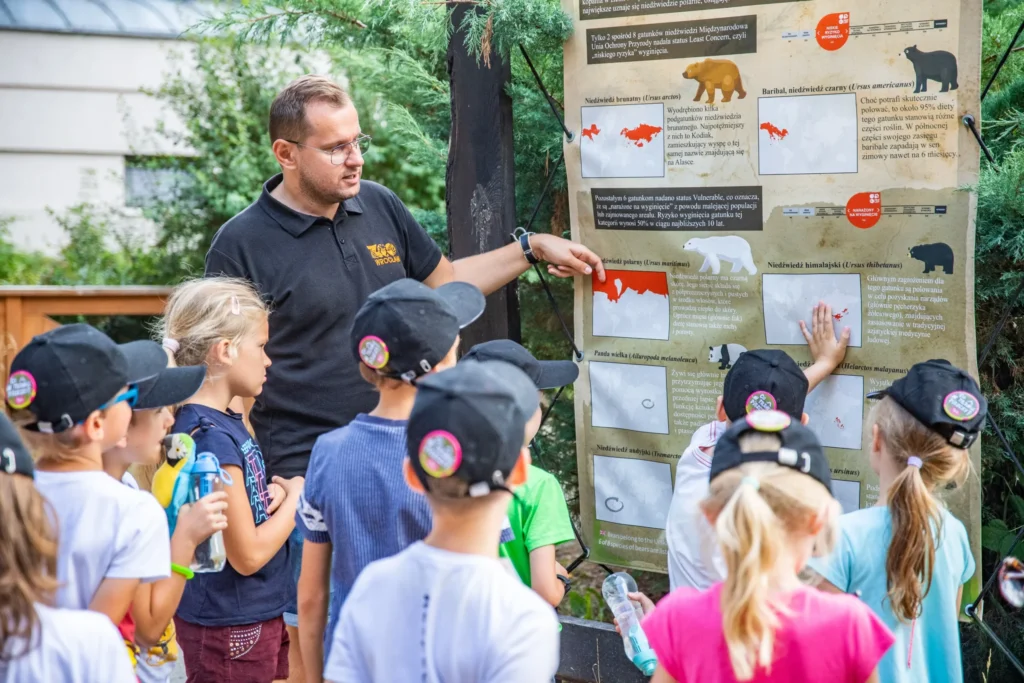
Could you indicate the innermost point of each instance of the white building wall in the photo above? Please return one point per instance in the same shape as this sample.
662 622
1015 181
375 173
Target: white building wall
71 110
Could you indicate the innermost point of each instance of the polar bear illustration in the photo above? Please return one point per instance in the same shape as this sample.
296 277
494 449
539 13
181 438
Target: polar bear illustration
725 355
731 249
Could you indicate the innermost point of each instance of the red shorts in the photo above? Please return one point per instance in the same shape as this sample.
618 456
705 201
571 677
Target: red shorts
254 653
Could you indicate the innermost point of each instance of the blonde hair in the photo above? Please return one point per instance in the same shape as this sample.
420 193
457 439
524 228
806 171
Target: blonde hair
757 508
28 563
916 513
58 447
200 313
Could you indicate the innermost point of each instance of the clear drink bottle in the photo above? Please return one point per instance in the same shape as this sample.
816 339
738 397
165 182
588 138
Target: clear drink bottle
628 613
210 554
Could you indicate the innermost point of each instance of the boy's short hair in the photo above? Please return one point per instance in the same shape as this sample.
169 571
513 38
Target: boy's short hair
467 428
764 379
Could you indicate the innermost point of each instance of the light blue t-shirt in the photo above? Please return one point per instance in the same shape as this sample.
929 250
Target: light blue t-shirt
858 564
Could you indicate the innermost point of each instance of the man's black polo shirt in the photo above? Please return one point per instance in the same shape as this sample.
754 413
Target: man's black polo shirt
316 273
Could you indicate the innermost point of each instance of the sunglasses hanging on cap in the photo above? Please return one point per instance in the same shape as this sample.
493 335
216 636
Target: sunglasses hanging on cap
131 395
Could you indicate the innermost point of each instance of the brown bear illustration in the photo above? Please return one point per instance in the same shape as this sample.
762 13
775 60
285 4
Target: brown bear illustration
715 73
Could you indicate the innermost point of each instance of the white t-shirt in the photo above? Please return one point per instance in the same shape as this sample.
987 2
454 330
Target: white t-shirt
71 646
441 617
107 530
693 556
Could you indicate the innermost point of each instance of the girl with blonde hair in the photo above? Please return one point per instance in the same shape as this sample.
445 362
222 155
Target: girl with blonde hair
908 557
229 623
771 508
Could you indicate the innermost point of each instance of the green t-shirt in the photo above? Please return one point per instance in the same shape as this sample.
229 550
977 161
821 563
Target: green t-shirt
538 518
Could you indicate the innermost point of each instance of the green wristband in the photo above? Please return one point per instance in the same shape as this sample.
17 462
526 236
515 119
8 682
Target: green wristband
184 571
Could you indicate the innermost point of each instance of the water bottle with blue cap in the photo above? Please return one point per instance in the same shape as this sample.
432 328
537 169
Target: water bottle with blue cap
208 477
628 613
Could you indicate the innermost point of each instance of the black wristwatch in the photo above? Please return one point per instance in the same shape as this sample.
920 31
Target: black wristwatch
524 242
566 583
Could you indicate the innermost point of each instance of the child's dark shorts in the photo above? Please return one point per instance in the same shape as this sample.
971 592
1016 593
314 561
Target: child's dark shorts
254 653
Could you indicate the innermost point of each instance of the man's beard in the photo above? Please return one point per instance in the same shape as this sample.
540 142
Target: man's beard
319 195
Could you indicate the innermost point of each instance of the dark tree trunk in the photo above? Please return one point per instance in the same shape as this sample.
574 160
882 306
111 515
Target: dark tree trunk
480 179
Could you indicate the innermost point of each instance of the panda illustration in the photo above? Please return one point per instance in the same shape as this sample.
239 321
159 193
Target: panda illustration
725 355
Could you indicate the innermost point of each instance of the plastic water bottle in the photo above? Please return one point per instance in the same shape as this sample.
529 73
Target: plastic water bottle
628 613
206 478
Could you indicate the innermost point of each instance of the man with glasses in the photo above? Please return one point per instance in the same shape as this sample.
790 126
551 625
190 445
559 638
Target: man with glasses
317 243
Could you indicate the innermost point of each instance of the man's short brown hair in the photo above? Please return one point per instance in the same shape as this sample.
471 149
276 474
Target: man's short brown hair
288 112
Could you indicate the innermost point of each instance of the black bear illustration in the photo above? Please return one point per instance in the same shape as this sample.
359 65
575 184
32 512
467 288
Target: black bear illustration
933 256
938 66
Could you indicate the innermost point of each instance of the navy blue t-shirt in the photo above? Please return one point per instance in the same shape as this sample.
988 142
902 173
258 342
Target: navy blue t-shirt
226 598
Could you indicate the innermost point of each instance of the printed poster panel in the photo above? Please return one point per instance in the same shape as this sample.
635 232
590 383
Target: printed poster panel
737 161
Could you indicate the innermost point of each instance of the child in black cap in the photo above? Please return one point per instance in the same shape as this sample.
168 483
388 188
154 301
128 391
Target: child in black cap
759 380
40 642
908 557
538 516
72 390
148 628
446 608
771 508
355 507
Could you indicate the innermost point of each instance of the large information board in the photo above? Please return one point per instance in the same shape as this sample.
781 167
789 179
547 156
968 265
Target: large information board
735 162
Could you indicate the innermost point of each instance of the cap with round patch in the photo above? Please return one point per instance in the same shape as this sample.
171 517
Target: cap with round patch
21 390
373 352
961 405
768 420
440 454
761 400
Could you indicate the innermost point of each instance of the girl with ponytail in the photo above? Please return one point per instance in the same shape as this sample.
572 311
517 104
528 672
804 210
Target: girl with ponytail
771 507
908 557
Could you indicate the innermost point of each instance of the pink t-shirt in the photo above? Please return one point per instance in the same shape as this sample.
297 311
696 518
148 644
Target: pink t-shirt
827 637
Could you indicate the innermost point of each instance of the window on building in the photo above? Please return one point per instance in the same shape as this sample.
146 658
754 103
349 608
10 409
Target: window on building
146 182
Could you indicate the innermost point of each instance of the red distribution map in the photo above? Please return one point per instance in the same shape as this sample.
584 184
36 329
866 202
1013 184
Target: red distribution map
640 281
641 134
773 132
591 132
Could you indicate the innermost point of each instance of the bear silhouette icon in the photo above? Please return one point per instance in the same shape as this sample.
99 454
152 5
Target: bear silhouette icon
725 355
934 256
731 249
935 66
712 74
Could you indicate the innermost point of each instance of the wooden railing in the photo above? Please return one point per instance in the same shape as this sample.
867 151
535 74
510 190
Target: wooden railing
26 311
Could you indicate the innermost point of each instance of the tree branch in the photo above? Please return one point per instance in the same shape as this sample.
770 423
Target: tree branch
345 19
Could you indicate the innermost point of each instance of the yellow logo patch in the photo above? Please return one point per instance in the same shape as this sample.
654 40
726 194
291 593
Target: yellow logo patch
383 254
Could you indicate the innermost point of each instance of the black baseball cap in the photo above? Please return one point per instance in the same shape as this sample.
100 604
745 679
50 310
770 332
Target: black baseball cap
170 387
943 398
546 374
65 374
14 457
764 379
470 422
405 328
800 448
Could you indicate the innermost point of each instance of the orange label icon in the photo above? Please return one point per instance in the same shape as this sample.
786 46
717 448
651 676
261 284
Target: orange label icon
833 30
864 209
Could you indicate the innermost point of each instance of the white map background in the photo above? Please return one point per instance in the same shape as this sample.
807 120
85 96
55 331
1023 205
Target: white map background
788 299
836 411
610 155
847 493
634 316
633 397
821 134
628 491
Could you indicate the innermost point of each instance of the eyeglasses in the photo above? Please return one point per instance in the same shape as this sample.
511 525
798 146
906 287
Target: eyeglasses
131 395
340 154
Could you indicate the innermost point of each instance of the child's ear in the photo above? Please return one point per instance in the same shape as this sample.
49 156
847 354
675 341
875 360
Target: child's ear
720 410
221 352
876 439
804 419
93 426
519 473
411 480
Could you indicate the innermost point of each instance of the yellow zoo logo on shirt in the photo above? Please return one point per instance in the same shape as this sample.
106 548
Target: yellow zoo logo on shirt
383 254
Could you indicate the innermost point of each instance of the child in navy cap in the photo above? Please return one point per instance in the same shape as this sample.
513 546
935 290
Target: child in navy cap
910 558
446 609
